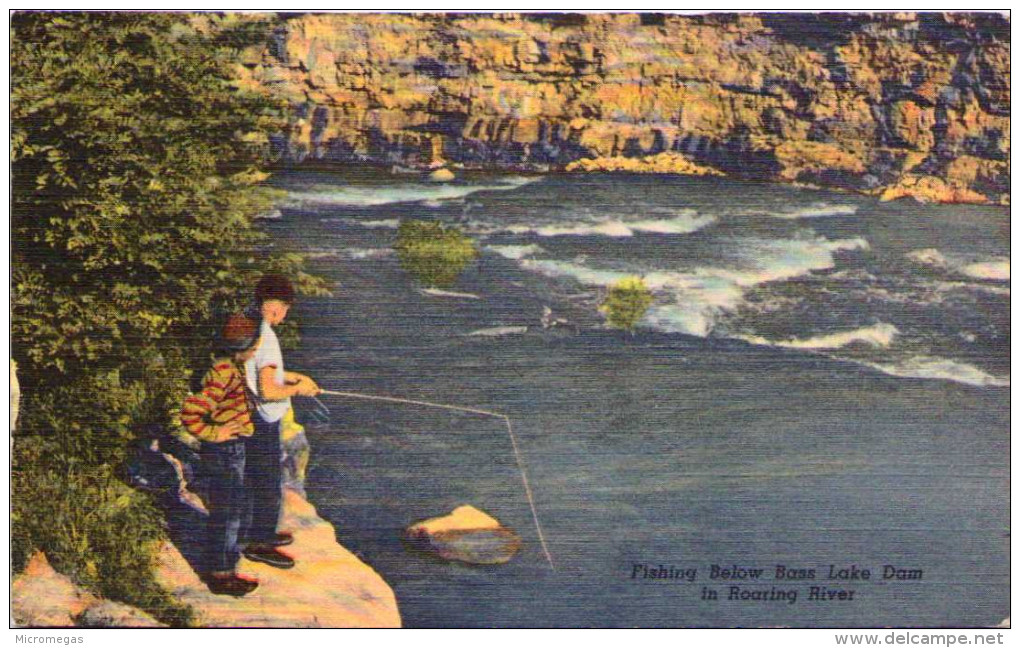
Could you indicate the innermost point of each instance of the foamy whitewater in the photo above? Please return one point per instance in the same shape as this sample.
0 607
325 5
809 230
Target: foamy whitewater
877 335
779 267
942 369
692 301
584 222
992 269
815 210
430 194
684 223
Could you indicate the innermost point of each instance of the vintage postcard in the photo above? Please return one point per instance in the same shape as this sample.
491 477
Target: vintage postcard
510 320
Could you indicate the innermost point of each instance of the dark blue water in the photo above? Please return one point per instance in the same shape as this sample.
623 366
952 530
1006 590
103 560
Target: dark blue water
823 379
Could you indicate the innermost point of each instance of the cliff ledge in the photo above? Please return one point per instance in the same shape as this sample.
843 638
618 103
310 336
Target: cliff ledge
329 587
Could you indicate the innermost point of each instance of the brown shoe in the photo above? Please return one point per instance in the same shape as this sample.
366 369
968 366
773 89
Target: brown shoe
268 554
230 584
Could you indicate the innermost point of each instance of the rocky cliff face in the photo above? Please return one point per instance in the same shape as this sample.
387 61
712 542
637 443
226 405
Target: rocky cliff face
909 104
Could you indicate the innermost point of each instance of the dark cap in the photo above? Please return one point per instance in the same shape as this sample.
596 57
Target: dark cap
240 333
274 286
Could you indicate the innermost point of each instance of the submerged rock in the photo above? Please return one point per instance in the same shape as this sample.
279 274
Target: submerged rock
466 535
551 321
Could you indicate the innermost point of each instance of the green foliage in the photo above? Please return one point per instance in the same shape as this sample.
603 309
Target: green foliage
434 254
136 174
134 183
626 303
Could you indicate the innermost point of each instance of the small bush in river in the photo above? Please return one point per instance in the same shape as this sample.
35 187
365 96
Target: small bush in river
433 253
627 302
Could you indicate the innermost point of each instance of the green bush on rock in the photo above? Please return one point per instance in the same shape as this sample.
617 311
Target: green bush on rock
433 253
626 303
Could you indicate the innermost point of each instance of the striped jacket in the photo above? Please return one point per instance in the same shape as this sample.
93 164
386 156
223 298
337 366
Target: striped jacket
223 399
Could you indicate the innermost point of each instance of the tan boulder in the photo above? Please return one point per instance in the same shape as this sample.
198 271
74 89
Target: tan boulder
43 598
466 535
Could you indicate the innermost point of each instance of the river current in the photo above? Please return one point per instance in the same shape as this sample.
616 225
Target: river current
821 382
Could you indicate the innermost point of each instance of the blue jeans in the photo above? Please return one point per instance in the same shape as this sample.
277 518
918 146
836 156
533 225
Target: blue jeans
227 500
262 478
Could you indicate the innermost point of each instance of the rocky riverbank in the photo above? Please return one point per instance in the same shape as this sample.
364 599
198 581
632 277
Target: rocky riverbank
43 598
329 587
904 104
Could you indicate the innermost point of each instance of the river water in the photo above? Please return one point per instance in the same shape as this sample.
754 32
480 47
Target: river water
822 379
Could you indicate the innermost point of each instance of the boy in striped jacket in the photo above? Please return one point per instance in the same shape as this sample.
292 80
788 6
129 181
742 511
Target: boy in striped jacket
221 417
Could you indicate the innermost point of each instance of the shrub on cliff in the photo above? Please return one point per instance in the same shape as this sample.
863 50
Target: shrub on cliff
135 167
626 303
433 253
94 529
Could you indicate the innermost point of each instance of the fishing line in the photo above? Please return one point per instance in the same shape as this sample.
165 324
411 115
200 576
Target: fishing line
472 410
319 413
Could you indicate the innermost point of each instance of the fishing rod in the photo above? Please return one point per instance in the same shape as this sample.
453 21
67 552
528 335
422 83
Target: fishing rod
472 410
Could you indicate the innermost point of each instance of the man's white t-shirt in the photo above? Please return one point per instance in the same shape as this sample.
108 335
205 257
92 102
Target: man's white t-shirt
268 355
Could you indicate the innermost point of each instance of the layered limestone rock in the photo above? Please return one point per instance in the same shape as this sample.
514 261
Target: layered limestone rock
855 101
672 163
932 189
328 588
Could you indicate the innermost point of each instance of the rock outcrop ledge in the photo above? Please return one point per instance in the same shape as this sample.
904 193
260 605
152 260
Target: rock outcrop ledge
43 598
329 587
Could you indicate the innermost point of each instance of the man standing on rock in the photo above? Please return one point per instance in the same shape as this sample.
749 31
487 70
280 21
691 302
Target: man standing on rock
273 388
